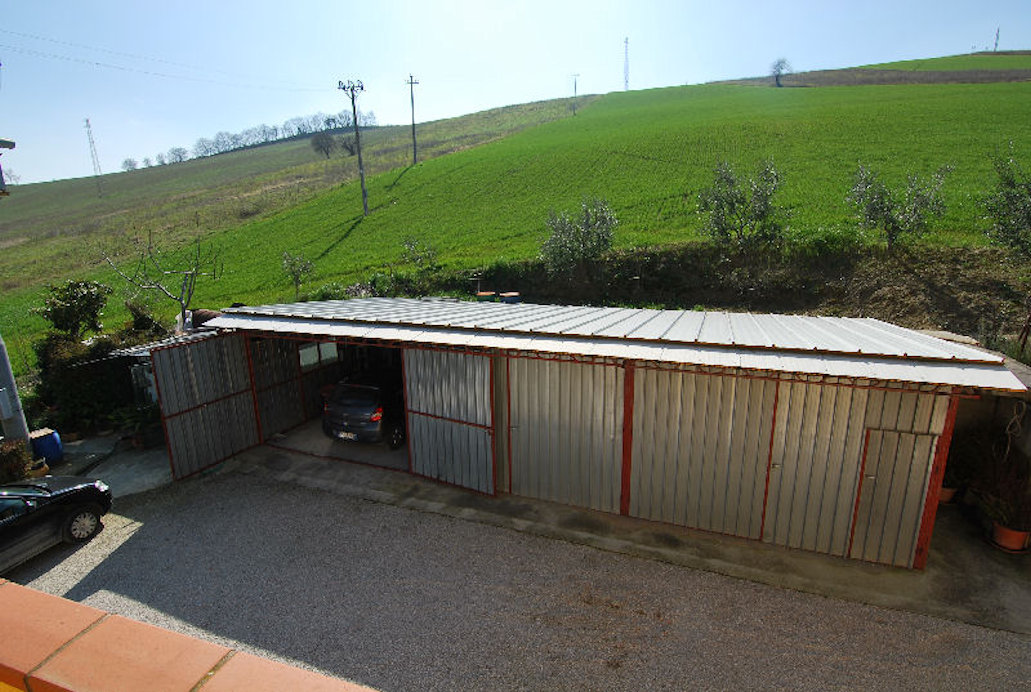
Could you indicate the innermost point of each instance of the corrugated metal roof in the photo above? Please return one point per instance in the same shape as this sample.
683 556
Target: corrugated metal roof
831 346
143 350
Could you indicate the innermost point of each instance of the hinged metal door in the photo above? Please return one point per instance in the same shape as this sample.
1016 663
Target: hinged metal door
893 484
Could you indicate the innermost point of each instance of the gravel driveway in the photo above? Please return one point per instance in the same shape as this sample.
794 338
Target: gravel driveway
403 600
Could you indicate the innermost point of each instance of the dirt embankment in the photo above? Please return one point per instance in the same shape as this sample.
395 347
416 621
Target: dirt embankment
962 290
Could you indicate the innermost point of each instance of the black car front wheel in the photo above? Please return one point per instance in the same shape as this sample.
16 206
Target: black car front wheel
82 524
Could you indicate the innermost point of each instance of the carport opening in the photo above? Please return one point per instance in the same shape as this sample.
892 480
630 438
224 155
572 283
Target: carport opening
353 404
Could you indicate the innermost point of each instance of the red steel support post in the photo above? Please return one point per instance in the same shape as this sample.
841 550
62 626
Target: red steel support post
934 486
628 435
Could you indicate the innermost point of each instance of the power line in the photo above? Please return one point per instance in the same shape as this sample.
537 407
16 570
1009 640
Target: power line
152 73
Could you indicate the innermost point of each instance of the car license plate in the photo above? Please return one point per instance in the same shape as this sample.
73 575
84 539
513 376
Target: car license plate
347 436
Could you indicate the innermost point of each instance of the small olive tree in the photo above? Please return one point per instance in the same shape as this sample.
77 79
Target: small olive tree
739 211
1008 207
298 268
575 241
897 212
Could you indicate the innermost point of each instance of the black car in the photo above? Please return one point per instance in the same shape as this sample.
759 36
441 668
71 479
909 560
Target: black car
39 513
364 408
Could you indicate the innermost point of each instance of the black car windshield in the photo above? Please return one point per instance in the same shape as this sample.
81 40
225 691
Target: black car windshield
355 395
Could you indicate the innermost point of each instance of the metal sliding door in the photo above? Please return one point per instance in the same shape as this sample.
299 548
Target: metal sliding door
450 421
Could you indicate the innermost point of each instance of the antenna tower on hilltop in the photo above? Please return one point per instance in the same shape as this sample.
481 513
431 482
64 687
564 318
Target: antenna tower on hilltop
626 64
996 49
96 160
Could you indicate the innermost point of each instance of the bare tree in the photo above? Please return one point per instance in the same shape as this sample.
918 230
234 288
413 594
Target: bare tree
779 68
160 159
177 155
346 143
175 278
146 162
204 147
323 143
129 165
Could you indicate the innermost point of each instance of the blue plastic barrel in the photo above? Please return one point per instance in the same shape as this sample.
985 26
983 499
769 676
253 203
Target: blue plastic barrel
46 444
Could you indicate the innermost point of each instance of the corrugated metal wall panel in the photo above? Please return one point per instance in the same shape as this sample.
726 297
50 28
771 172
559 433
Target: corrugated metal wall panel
206 401
449 384
894 488
277 379
206 435
566 432
280 407
451 452
195 372
700 450
455 386
817 456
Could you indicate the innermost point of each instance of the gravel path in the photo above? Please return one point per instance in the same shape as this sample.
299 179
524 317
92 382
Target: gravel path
403 600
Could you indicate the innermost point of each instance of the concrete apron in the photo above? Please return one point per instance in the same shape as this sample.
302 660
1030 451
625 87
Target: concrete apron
965 579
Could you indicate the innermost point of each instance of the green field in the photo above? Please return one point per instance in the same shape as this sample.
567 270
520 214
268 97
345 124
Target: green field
648 153
975 61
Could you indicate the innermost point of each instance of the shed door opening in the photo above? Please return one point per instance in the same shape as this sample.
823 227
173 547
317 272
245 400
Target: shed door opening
300 389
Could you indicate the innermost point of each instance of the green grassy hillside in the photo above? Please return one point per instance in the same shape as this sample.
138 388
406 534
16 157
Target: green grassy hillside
649 153
1007 60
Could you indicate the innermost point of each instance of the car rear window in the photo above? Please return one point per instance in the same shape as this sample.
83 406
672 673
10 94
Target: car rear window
355 395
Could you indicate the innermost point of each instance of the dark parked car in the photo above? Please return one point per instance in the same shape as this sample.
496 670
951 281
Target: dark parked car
39 513
365 409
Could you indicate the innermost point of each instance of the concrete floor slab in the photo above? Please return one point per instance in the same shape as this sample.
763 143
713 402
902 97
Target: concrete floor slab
310 439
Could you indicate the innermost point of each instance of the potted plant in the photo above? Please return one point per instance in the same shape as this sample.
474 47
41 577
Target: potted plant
1003 488
1010 513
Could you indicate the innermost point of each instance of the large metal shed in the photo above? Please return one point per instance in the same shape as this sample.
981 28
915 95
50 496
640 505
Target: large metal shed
820 433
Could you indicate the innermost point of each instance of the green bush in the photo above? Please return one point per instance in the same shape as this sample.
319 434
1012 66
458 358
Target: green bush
575 242
1008 207
741 212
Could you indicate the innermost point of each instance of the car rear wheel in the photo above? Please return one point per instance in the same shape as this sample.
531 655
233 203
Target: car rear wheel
82 524
397 437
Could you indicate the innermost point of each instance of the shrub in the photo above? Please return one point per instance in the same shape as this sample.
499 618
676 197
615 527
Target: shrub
15 460
742 212
573 242
897 212
74 308
1008 207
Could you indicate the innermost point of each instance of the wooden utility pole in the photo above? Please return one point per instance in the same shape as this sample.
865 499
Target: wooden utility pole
352 89
574 92
411 87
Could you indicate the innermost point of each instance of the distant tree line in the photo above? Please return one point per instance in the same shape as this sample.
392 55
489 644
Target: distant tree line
223 142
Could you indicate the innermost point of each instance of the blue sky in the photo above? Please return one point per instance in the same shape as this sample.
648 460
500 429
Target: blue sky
171 72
